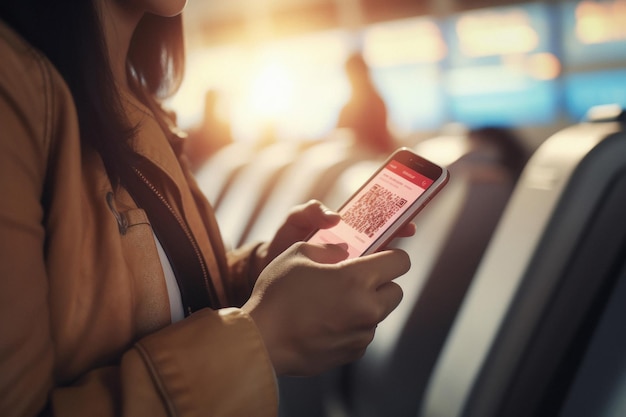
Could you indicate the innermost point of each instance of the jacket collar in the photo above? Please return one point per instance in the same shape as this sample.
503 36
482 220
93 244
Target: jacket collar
150 142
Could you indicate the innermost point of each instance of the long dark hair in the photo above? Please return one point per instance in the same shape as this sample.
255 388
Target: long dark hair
69 33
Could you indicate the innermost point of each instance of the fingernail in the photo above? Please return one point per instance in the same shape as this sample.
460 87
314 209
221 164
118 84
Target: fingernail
329 212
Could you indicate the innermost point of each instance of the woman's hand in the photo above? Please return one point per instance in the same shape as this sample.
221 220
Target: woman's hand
316 310
303 220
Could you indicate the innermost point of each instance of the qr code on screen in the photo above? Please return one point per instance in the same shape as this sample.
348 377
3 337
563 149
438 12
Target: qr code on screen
372 210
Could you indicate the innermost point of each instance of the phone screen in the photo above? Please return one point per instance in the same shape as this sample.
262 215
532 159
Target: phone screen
382 200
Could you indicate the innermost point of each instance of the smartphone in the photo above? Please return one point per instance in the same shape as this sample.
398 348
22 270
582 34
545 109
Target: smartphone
388 200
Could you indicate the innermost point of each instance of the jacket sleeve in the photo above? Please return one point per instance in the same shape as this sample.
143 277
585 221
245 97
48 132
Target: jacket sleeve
159 378
185 369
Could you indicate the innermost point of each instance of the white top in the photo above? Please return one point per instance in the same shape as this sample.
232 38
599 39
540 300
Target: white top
177 311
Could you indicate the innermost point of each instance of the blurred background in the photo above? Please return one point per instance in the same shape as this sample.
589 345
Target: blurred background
274 70
288 100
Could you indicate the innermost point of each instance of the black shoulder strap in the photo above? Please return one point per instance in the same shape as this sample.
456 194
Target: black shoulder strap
188 264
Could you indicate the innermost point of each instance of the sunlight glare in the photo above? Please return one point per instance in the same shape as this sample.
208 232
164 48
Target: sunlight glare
272 91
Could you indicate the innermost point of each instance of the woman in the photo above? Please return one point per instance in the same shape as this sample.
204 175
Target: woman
98 315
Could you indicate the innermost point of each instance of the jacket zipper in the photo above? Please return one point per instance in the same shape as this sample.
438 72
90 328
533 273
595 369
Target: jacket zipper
183 225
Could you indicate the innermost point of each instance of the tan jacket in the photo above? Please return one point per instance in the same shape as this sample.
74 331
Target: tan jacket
84 314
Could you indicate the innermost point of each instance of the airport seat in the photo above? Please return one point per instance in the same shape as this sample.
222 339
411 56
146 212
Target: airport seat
247 191
309 177
217 173
535 326
452 232
599 386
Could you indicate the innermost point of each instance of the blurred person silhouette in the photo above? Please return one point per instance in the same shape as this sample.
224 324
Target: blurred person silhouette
117 295
365 112
212 134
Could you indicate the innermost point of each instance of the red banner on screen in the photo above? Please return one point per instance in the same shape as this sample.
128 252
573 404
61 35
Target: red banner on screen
410 175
